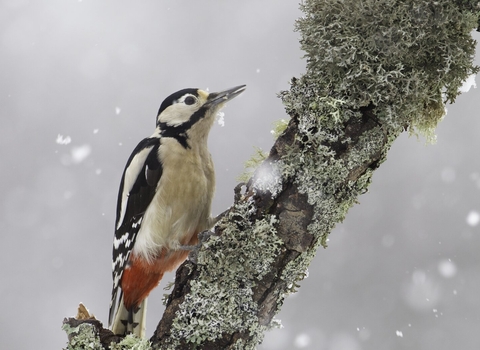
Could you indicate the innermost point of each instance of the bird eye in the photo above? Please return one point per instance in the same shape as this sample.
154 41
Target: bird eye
190 100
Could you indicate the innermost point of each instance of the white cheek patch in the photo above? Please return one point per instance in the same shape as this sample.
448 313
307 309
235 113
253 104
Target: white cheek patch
177 114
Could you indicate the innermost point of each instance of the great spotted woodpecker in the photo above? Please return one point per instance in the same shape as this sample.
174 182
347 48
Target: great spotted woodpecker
164 201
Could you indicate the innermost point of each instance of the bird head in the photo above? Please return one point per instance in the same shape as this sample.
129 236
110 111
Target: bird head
190 112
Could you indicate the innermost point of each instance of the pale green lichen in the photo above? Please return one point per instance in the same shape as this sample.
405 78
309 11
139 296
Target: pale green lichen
296 270
131 342
168 287
220 300
405 57
401 59
279 127
251 164
85 337
276 323
82 337
239 345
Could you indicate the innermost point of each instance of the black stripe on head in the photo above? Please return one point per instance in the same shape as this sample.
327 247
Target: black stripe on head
179 132
170 100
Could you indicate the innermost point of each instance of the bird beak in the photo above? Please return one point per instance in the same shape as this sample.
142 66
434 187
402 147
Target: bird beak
216 98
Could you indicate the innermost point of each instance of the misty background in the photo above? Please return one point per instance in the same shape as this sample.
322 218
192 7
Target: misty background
81 82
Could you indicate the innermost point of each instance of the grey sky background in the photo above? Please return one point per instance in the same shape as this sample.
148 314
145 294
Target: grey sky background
81 82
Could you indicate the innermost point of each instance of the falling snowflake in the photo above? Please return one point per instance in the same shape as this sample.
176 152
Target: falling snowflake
63 140
447 268
79 154
220 118
302 340
473 218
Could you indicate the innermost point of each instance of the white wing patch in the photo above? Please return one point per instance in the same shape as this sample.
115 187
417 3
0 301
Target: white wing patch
125 237
117 242
131 175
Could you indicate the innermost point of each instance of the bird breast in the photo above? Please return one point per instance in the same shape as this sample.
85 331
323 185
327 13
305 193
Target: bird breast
182 202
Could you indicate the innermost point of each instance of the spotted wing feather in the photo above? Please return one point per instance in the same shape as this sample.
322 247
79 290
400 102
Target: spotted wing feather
137 188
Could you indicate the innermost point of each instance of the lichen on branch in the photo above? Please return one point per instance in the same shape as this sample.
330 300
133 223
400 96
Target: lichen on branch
374 69
405 57
221 298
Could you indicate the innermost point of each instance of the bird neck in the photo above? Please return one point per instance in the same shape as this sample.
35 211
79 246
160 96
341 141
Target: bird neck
189 136
198 133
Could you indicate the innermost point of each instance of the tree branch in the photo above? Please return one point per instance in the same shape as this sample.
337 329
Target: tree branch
374 69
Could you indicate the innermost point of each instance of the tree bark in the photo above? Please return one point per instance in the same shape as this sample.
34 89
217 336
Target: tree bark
374 69
294 215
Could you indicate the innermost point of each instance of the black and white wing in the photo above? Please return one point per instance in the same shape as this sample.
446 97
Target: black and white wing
137 188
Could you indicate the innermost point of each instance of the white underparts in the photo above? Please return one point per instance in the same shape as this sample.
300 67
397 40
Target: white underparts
181 205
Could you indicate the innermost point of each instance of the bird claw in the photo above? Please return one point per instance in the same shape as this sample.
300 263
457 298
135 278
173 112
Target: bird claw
194 249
